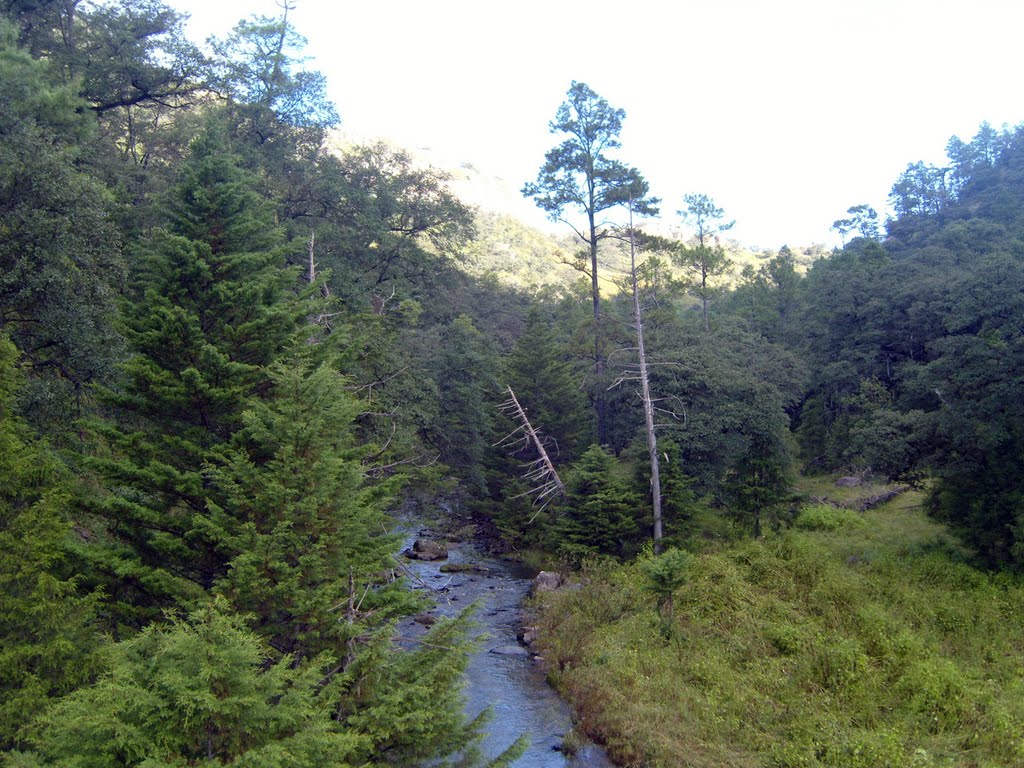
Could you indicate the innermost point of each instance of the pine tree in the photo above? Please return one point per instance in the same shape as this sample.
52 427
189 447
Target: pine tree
212 311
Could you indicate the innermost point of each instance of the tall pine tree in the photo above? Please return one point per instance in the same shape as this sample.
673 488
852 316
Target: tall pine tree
213 309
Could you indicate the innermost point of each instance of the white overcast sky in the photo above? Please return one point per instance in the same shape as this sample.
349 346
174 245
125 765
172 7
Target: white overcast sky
786 112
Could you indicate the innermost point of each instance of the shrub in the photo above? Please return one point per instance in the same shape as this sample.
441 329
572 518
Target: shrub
825 517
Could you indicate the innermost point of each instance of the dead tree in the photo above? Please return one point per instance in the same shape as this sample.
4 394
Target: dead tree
645 391
323 319
540 470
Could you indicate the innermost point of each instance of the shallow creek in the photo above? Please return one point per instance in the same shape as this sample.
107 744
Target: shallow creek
501 674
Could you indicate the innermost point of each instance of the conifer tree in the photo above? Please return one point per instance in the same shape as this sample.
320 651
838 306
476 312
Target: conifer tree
542 380
465 367
212 310
45 642
601 513
199 691
579 177
301 526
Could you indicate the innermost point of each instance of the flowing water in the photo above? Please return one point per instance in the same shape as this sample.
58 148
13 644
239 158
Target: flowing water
502 675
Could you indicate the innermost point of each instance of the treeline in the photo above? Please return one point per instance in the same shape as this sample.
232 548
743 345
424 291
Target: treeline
896 356
227 352
229 349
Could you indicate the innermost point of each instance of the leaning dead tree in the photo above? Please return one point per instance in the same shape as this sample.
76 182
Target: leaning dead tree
540 471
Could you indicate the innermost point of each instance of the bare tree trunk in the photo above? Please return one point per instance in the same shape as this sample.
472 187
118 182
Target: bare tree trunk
645 391
541 470
704 297
595 292
312 256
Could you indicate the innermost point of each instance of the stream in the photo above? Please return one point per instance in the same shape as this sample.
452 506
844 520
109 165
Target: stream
501 673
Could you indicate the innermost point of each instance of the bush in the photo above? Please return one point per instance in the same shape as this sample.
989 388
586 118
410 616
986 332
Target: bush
825 517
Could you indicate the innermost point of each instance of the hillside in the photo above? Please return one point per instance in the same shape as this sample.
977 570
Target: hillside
856 640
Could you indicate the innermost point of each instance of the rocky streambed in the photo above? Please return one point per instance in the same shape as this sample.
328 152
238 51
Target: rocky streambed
502 674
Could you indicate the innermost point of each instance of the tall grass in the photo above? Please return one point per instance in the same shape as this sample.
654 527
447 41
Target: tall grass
860 644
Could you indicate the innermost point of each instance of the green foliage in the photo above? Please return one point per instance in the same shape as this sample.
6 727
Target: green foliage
825 517
580 177
542 378
392 225
681 506
915 348
297 524
666 574
787 652
231 458
465 366
212 312
706 262
45 642
863 220
409 704
578 173
600 515
199 691
516 254
60 259
729 393
260 67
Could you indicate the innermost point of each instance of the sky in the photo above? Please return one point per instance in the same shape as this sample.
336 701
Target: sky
786 112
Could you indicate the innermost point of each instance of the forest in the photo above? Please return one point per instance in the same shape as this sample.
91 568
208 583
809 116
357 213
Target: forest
234 352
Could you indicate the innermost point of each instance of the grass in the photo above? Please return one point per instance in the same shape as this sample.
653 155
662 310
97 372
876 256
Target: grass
859 643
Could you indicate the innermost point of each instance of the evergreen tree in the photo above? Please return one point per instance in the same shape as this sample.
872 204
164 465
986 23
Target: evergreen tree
543 382
579 176
600 516
465 367
200 691
300 525
679 500
45 643
706 262
212 310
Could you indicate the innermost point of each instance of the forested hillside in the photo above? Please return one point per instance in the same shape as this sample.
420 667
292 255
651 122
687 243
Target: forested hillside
231 352
224 358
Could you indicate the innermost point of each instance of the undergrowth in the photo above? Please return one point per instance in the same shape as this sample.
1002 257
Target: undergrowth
857 640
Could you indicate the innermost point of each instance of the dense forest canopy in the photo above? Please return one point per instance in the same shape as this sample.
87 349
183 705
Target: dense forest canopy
230 350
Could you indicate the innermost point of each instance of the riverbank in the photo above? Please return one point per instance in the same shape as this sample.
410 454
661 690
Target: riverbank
501 675
854 640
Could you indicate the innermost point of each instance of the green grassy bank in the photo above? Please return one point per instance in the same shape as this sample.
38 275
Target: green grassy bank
853 639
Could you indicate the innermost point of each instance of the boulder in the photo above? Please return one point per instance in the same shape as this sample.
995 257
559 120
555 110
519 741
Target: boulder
546 581
429 549
527 635
848 482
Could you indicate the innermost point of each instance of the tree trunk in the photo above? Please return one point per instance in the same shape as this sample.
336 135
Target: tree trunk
595 292
645 391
